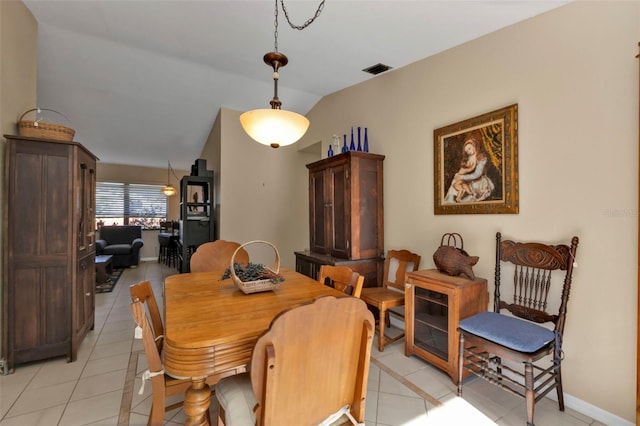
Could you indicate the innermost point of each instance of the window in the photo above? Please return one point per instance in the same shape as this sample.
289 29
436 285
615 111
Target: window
130 204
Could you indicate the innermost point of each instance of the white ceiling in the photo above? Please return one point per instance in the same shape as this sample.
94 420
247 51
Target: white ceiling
142 81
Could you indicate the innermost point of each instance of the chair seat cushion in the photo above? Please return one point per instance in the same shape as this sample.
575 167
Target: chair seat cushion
117 249
235 395
513 333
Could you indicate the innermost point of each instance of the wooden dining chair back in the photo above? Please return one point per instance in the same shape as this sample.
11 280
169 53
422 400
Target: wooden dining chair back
310 367
342 278
512 350
391 293
146 315
162 385
216 256
143 292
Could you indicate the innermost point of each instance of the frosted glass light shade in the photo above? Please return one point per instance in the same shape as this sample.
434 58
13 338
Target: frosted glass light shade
169 191
274 127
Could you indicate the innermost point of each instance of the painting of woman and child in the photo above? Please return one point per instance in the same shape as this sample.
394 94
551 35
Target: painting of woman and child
476 165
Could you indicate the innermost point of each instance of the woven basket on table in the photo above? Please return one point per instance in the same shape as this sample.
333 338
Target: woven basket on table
248 287
39 128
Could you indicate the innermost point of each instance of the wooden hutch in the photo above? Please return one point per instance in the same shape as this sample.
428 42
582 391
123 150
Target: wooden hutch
345 216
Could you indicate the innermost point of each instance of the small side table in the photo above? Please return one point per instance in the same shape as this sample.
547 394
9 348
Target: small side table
104 268
434 305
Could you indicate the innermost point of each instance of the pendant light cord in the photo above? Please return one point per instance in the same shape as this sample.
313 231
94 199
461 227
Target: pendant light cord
308 22
173 172
291 24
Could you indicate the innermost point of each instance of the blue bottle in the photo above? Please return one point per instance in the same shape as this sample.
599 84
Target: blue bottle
344 147
352 147
330 152
359 144
366 141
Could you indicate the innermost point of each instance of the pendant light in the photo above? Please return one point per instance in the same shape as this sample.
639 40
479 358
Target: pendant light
276 127
168 190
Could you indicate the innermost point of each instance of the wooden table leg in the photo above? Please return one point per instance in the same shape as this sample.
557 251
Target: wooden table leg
196 403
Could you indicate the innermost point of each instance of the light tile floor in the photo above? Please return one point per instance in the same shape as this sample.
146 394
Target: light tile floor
95 390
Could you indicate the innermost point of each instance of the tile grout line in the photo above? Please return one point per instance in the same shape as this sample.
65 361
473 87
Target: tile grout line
407 383
127 394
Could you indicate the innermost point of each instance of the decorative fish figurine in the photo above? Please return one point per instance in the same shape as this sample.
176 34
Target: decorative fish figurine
452 260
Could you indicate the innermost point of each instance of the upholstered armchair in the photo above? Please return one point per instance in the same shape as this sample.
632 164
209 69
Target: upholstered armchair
122 242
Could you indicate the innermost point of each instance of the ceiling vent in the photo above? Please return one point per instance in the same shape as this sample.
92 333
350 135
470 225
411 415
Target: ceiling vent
377 69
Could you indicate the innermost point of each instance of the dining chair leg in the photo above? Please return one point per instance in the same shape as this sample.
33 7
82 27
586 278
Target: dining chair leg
559 389
381 321
460 362
529 392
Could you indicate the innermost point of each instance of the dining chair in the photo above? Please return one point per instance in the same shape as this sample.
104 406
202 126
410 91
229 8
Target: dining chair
342 278
163 385
391 293
310 367
143 292
216 256
518 336
151 330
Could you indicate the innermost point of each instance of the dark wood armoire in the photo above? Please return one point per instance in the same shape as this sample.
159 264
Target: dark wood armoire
48 283
346 220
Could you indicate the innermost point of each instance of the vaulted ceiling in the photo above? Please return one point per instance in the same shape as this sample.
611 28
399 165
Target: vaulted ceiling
142 81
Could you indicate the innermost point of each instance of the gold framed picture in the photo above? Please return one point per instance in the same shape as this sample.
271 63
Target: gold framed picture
476 164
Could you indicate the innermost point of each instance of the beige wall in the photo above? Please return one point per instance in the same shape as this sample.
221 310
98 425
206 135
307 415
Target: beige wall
18 63
573 73
263 191
574 76
211 153
18 68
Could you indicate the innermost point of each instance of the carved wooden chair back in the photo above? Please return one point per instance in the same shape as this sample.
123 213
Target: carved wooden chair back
488 339
534 265
216 256
342 278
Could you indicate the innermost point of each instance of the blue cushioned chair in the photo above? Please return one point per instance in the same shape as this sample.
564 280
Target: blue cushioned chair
528 334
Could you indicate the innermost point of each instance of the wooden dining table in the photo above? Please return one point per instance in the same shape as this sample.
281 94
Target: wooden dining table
211 327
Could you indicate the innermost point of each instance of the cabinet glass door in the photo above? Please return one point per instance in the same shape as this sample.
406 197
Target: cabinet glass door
431 320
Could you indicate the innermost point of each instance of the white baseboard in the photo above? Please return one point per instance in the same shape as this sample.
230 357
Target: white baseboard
570 401
591 410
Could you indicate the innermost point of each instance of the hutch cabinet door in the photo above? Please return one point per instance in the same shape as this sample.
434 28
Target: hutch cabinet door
346 206
338 217
319 222
84 214
85 292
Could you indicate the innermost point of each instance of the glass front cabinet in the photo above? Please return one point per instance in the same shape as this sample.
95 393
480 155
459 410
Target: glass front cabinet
434 304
